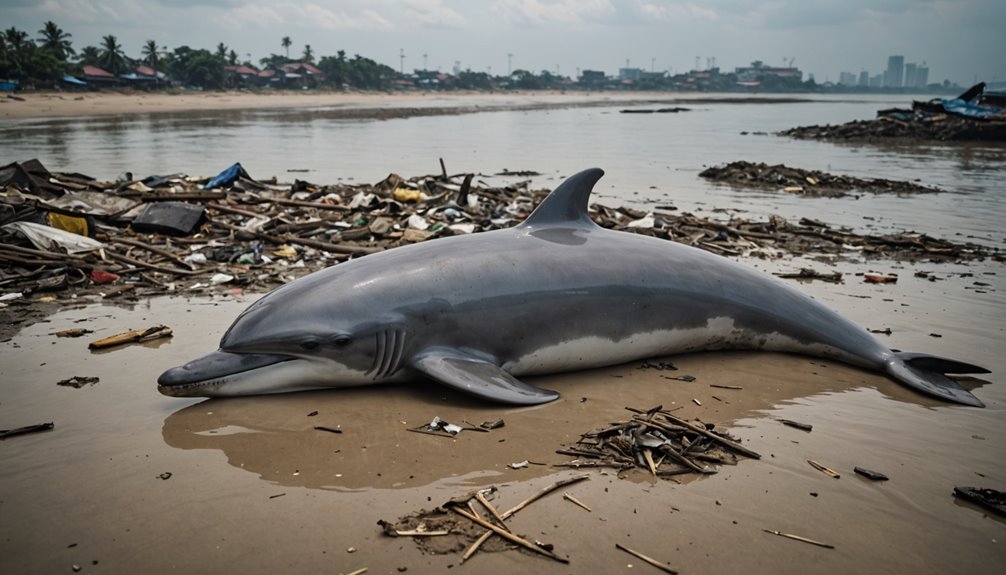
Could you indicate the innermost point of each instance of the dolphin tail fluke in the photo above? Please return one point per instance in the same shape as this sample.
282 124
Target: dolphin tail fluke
925 373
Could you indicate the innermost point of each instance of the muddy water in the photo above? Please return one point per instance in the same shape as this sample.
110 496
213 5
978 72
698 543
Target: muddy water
255 488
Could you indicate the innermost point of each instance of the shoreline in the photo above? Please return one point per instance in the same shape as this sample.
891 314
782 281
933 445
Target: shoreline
378 105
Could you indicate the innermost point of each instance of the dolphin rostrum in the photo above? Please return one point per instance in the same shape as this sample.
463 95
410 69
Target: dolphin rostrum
555 293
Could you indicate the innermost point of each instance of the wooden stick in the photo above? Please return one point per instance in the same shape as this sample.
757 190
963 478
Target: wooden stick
510 512
658 564
154 249
136 335
509 536
715 437
798 538
489 507
576 501
141 264
543 493
289 239
826 470
649 461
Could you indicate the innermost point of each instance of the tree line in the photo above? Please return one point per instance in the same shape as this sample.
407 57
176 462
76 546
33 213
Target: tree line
44 61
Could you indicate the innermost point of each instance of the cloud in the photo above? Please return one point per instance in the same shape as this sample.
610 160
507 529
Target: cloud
306 16
433 13
540 12
675 11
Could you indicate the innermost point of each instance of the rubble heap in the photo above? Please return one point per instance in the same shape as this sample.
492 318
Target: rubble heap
975 115
805 182
180 234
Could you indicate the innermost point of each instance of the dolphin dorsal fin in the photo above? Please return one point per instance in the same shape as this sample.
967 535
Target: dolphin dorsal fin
567 204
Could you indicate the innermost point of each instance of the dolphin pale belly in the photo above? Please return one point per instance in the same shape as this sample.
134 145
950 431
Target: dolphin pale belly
555 293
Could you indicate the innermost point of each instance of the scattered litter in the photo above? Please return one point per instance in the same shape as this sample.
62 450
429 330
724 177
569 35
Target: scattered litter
336 429
519 465
870 474
796 424
686 378
965 118
78 381
132 336
264 234
658 564
575 501
880 278
48 238
73 332
657 441
990 499
798 538
165 476
458 526
827 471
804 182
38 427
812 274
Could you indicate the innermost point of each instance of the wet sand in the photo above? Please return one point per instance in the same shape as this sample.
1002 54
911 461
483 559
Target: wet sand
254 488
350 105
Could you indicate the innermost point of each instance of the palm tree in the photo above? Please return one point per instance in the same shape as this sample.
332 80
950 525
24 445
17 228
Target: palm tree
53 38
15 39
286 44
112 57
308 54
221 52
151 54
232 58
90 56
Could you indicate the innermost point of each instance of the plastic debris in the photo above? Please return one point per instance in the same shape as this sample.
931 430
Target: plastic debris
172 218
52 239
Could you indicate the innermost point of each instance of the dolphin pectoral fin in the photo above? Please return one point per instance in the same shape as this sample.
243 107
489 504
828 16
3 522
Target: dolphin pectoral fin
479 378
926 374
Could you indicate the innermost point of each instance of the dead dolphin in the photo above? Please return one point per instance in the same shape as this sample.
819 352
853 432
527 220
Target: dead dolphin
555 293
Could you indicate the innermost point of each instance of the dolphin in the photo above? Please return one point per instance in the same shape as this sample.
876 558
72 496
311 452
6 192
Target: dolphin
555 293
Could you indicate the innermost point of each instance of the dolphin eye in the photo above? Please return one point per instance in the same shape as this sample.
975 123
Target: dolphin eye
310 344
342 340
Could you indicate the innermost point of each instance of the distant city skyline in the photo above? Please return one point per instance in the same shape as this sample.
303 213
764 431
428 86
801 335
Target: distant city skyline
960 41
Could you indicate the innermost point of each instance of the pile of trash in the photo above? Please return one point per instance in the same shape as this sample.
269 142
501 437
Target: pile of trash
975 115
659 442
805 182
137 237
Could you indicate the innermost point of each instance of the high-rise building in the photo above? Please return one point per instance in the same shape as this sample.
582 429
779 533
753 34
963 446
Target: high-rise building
921 75
847 79
910 77
864 78
895 74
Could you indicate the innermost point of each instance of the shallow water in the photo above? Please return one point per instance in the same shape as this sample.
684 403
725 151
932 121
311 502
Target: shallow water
255 488
652 158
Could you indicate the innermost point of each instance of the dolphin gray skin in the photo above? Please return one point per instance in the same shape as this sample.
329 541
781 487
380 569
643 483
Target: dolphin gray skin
555 293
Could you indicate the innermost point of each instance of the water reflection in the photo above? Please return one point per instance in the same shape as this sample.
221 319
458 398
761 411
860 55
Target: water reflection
275 438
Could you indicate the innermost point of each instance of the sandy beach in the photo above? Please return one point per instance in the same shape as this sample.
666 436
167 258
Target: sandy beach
130 479
57 105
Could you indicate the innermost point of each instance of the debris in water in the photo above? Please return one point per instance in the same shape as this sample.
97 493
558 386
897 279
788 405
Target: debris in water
78 381
870 474
5 433
132 336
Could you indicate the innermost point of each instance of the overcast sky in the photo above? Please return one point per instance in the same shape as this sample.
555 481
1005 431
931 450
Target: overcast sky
960 40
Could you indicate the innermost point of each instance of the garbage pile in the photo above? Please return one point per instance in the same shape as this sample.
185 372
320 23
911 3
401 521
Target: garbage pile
659 442
975 115
805 182
179 234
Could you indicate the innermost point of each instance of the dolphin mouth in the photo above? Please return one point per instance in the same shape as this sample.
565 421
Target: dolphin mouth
213 370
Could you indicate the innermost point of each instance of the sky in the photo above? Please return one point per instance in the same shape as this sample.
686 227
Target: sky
960 40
